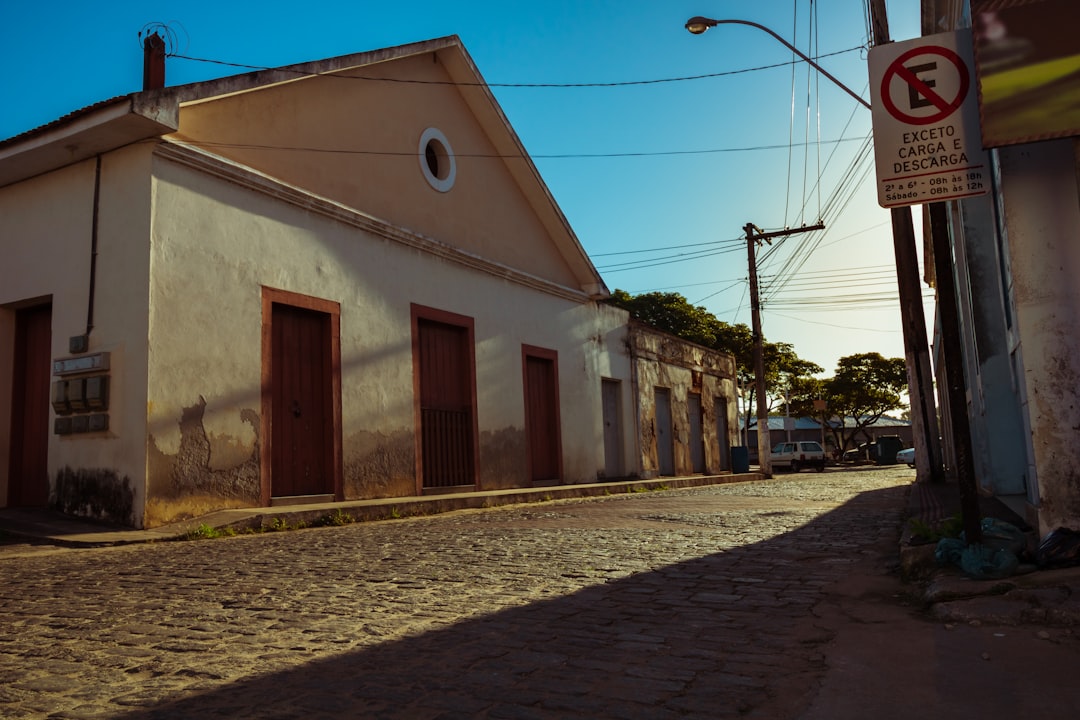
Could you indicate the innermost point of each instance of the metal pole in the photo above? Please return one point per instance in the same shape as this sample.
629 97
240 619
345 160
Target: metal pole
787 412
954 373
698 25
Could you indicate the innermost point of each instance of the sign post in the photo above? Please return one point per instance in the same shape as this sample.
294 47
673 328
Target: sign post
927 141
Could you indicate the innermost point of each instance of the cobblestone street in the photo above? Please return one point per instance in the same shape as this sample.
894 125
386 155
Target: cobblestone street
706 602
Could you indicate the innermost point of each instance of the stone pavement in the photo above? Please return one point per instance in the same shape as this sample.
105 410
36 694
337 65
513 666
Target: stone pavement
766 599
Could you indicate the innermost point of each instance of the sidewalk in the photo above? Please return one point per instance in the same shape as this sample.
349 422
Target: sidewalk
1031 596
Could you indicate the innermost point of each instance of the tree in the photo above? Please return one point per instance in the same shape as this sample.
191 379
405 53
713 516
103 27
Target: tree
864 388
670 312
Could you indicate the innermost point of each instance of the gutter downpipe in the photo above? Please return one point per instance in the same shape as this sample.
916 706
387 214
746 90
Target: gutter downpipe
94 247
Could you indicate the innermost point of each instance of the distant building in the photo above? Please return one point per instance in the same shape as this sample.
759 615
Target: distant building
806 428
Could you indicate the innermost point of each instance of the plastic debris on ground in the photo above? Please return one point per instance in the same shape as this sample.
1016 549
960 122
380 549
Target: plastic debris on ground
997 556
1059 548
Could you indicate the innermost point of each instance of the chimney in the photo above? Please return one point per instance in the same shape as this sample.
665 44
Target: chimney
153 62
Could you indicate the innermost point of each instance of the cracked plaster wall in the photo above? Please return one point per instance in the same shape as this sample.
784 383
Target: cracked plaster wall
1042 217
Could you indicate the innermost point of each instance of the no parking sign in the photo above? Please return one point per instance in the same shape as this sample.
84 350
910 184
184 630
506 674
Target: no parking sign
927 143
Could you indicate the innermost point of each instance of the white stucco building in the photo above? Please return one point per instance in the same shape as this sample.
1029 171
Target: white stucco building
316 283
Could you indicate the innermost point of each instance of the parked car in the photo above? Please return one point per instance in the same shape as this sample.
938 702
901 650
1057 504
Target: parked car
867 452
906 455
798 455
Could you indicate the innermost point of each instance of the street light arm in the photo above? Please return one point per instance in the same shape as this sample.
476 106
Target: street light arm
698 25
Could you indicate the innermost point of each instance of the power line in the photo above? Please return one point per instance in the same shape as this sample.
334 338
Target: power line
676 287
722 290
668 247
834 325
407 81
497 156
666 260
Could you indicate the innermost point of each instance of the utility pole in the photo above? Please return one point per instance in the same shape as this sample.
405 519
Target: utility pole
787 413
906 266
924 424
755 235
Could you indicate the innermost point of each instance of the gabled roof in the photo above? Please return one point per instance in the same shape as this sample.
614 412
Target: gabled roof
82 134
111 124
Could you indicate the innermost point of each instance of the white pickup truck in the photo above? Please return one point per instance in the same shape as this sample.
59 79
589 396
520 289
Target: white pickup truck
798 455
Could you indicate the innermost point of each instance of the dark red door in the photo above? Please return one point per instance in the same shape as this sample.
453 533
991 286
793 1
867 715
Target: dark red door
301 447
446 424
29 468
542 417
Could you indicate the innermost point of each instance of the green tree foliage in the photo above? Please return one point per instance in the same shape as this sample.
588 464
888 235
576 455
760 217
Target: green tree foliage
672 313
864 388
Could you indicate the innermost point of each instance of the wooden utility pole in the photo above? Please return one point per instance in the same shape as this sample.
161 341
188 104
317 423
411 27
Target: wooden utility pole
754 236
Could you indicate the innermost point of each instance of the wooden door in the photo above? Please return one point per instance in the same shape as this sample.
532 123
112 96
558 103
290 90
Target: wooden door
302 447
609 391
697 436
446 405
542 417
28 483
665 447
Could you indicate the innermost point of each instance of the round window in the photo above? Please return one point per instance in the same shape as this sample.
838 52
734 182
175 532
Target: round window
437 160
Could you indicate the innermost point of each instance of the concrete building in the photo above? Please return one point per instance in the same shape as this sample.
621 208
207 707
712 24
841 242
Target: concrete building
316 283
1016 263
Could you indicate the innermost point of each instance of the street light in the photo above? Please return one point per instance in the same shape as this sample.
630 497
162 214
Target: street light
907 280
698 25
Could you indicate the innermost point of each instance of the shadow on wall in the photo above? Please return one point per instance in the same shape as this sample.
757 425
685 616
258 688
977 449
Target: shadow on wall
676 639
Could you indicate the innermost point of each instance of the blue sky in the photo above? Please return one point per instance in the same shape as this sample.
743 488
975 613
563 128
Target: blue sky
656 178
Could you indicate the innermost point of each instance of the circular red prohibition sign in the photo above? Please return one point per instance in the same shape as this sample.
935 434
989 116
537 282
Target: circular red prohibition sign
945 107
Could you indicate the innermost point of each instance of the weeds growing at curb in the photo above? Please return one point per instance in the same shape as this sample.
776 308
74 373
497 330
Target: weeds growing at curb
948 528
339 518
206 532
278 524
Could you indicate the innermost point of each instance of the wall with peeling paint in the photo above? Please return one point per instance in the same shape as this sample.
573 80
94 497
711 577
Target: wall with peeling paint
186 246
663 361
46 242
217 243
1042 217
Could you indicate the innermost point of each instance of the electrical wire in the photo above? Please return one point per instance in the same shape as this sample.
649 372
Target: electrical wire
665 260
499 156
789 267
412 81
668 247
